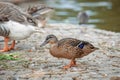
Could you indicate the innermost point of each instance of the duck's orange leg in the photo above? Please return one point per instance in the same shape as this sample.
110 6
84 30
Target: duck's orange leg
12 45
6 48
72 63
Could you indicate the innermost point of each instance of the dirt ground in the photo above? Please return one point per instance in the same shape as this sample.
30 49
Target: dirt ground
35 62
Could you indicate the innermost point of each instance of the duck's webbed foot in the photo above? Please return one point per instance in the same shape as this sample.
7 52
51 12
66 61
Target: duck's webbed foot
12 45
72 64
6 48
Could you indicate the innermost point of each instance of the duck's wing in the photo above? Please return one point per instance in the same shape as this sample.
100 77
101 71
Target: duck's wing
12 11
72 42
4 31
69 41
69 48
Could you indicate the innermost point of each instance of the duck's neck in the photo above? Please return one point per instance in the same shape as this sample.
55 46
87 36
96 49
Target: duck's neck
54 42
51 45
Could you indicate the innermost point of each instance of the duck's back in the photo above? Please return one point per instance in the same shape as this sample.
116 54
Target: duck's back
14 13
66 48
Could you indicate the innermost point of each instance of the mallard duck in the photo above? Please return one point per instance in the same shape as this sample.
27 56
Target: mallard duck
69 48
15 24
82 17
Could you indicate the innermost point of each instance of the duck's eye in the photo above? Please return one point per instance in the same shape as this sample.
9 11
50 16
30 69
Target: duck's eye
50 37
31 21
92 47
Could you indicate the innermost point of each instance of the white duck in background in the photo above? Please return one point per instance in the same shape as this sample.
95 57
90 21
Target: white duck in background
16 24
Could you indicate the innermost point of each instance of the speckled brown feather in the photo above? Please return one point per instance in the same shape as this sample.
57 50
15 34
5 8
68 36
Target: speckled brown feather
67 48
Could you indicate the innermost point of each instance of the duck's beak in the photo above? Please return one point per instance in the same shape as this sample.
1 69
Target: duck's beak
96 48
43 44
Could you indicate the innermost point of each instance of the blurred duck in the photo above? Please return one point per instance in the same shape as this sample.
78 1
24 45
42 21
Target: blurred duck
15 24
68 48
41 12
82 17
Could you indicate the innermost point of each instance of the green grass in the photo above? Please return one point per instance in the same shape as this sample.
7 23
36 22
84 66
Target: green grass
11 56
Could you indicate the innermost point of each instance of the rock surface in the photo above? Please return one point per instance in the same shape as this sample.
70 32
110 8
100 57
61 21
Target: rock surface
36 63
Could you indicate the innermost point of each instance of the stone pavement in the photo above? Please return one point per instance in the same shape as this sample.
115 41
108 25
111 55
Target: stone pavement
38 64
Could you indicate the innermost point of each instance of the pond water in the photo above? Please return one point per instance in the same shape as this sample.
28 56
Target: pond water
103 14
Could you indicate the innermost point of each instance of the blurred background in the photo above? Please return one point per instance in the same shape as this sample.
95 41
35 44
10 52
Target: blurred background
103 14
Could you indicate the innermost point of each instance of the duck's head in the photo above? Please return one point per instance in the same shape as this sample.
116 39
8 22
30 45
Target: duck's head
37 20
51 39
33 21
87 47
41 12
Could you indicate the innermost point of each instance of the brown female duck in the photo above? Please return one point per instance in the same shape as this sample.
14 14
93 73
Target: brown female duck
68 48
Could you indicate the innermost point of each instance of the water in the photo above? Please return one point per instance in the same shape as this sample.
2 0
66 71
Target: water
104 14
